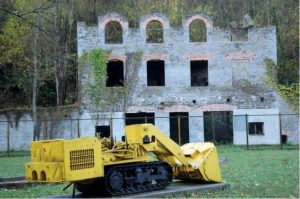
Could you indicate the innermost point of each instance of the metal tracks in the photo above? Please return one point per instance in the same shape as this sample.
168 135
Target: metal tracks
130 179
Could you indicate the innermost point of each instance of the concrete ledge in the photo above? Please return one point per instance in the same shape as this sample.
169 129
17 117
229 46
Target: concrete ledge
180 187
174 188
19 184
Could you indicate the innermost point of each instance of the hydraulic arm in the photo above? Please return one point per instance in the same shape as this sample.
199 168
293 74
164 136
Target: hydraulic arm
191 161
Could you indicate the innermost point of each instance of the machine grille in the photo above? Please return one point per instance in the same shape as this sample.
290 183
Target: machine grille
82 159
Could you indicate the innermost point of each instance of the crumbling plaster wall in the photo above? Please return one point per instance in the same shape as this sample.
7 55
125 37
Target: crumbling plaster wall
177 52
16 132
236 73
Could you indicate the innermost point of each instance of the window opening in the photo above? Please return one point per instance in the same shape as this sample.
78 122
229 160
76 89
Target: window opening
115 74
198 31
179 127
218 126
154 32
156 73
104 131
256 128
238 35
199 73
113 33
139 118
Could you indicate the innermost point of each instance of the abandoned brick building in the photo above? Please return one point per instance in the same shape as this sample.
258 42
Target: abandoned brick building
218 77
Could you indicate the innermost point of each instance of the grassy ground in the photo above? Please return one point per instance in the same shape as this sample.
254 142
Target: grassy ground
251 173
14 153
256 174
12 166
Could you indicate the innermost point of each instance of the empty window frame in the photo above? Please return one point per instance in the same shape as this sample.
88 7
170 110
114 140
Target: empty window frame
155 73
103 131
113 33
115 74
139 118
154 32
256 128
198 31
238 35
179 127
199 73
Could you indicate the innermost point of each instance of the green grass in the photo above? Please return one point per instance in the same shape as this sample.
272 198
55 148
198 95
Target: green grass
13 166
256 174
251 173
35 192
14 153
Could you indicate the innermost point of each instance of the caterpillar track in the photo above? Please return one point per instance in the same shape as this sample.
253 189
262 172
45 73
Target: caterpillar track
129 179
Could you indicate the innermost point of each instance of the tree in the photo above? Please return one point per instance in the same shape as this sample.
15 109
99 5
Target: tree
35 75
15 61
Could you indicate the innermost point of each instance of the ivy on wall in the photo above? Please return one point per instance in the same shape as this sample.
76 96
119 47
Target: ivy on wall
289 92
132 67
101 98
95 86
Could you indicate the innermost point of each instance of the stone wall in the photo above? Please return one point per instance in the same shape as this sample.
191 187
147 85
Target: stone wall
21 130
236 73
177 52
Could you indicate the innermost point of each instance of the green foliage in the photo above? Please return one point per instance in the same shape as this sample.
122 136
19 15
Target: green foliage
113 33
15 61
97 76
155 32
289 92
101 98
98 59
16 53
131 76
197 31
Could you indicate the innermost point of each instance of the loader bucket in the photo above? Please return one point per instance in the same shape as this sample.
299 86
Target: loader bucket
203 163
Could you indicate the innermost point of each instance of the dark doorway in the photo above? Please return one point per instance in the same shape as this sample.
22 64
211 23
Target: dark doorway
218 126
156 73
179 135
115 74
199 73
103 130
139 118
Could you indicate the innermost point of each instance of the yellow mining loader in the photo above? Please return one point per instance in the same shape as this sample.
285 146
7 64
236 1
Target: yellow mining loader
145 160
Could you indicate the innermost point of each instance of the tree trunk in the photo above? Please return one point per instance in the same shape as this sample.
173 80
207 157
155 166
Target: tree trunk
58 54
95 17
35 77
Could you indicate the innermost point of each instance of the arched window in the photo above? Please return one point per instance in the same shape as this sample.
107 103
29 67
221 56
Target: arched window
113 33
198 31
155 32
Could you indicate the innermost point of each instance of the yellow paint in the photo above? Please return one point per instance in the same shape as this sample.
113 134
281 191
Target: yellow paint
58 160
85 158
193 161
